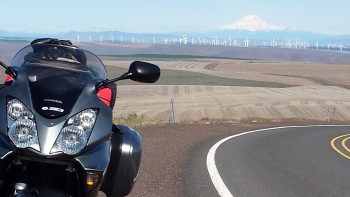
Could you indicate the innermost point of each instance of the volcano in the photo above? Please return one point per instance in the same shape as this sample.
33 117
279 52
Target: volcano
252 23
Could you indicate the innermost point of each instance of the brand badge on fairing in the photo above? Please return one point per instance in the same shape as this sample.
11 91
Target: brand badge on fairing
53 100
52 109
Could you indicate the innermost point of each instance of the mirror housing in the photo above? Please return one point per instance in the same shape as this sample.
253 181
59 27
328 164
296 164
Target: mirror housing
143 72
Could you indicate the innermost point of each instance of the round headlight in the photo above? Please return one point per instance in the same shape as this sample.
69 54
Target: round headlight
76 132
72 139
23 133
15 109
85 119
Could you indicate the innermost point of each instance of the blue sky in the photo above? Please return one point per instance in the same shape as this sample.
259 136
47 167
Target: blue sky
161 16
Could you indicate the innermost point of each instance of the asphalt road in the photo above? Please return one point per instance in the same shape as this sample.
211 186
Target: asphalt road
293 161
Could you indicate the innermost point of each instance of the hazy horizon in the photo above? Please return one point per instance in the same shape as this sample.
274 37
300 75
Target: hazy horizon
158 16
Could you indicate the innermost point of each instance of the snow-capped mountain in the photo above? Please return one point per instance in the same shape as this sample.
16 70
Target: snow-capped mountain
250 27
252 23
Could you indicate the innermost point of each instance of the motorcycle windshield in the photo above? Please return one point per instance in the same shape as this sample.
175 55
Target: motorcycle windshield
57 75
60 57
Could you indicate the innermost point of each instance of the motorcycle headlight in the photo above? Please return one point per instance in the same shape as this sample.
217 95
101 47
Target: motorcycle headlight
21 125
76 132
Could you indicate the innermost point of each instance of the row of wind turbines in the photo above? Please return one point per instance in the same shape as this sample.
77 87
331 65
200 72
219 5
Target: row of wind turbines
215 40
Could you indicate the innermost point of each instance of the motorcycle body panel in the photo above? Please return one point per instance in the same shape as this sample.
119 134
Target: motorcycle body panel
54 86
123 168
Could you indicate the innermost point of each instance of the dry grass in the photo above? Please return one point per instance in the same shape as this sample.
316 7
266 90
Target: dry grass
194 103
322 93
292 73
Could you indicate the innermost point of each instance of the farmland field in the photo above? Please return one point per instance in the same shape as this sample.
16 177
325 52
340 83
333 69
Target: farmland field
259 91
226 83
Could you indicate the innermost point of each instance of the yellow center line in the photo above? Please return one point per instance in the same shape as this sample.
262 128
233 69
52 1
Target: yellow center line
343 143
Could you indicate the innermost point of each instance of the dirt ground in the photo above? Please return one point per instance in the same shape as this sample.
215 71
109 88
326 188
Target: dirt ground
292 73
197 103
321 92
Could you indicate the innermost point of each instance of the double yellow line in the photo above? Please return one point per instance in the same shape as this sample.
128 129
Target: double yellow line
344 139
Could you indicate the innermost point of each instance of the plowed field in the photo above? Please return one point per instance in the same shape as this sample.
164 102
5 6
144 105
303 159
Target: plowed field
320 92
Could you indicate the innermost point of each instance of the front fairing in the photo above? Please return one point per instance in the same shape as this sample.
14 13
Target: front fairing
55 90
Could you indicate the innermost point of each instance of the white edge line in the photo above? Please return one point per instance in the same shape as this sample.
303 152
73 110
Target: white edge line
211 166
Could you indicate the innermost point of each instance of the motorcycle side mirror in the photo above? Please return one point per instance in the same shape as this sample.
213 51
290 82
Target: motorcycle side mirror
143 72
9 70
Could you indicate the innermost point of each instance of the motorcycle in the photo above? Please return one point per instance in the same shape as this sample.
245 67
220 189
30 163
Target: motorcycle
57 136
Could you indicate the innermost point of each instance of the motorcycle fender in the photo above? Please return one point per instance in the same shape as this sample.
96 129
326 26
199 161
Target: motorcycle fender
125 161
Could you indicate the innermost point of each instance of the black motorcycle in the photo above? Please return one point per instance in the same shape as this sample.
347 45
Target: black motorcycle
56 132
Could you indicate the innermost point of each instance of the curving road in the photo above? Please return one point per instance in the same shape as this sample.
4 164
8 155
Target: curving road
290 161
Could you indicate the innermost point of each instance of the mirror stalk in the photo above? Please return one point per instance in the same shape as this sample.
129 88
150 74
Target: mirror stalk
4 65
9 70
105 83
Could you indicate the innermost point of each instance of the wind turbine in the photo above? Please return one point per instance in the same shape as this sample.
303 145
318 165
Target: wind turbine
328 46
78 37
112 38
121 39
316 45
185 39
204 41
273 43
90 38
133 39
101 38
199 40
180 41
246 42
296 43
289 43
341 47
215 40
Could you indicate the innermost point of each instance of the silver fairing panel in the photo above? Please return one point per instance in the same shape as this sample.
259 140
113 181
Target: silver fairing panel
49 129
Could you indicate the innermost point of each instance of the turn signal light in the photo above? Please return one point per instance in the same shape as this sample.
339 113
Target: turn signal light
93 179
